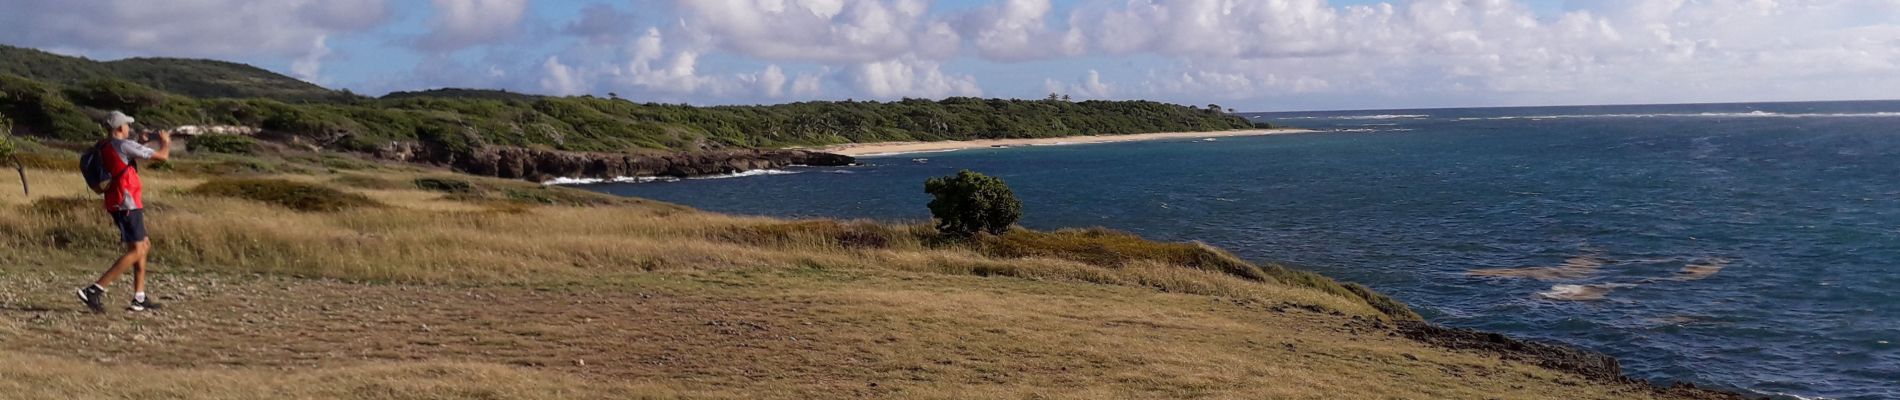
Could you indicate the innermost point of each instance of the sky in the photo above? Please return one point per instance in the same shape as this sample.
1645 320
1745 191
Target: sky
1253 55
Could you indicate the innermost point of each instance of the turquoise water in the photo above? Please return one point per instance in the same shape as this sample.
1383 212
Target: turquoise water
1751 246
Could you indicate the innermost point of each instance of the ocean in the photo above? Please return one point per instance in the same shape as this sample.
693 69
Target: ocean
1748 246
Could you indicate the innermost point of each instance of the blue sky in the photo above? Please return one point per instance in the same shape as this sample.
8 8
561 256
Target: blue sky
1249 54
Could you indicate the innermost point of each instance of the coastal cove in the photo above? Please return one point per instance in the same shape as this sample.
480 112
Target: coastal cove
1681 239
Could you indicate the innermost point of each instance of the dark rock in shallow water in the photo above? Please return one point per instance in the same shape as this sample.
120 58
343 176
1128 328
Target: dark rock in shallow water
541 165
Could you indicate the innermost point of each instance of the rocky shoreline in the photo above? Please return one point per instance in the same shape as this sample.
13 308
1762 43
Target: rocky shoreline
1588 364
540 165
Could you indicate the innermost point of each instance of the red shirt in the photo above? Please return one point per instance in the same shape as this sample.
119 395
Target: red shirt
124 193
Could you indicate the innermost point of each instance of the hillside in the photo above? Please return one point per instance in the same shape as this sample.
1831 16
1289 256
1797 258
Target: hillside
458 93
187 77
494 132
455 286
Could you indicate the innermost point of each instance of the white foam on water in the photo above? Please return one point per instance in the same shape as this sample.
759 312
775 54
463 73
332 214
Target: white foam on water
646 179
742 174
565 181
899 153
1580 292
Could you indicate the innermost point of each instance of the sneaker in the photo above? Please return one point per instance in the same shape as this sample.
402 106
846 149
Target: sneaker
148 304
94 297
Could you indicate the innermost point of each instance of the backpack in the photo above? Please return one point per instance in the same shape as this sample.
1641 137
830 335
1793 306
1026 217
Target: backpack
92 164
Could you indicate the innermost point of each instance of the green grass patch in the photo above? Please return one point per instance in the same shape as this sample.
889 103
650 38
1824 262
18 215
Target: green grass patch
369 182
1113 249
293 195
445 185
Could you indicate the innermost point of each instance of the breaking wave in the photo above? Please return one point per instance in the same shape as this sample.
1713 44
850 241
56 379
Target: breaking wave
1368 117
647 179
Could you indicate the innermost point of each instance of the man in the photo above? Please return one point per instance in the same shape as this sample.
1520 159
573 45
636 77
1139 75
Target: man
124 199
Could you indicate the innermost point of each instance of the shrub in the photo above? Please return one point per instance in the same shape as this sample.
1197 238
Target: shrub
293 195
114 94
1108 248
6 137
445 185
41 110
970 202
228 144
371 182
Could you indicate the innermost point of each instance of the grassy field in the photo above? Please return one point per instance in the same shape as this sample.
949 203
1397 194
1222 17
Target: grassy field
333 278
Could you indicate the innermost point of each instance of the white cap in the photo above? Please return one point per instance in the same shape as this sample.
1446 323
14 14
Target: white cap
117 119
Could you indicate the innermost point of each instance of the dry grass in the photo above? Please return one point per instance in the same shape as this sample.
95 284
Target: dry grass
771 333
428 236
440 294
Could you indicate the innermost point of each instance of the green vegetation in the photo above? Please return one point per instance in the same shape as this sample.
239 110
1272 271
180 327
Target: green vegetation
195 78
293 195
445 185
970 202
6 139
1113 249
58 97
457 93
8 152
228 144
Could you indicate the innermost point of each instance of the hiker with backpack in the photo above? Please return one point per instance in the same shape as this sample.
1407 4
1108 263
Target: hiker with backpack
111 169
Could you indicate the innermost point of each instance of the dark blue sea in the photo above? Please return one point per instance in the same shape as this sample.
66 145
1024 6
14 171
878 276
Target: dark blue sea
1749 246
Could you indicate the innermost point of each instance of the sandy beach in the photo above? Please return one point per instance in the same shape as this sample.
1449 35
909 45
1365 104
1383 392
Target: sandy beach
890 148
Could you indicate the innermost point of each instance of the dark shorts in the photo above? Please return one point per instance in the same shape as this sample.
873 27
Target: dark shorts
131 225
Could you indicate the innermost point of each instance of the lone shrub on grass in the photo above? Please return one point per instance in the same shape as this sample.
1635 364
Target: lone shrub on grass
293 195
970 202
445 185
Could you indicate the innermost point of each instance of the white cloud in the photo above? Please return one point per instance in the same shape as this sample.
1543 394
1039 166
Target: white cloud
1013 30
459 24
559 79
771 82
1090 86
1435 52
199 28
909 77
308 66
601 23
830 31
807 85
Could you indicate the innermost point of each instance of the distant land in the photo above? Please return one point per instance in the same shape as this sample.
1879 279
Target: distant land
515 135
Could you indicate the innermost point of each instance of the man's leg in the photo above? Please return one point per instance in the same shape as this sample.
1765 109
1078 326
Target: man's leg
138 268
134 254
131 226
139 301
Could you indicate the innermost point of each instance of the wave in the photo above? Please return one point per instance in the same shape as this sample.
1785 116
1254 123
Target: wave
742 174
564 181
1366 117
900 153
1581 292
1750 114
